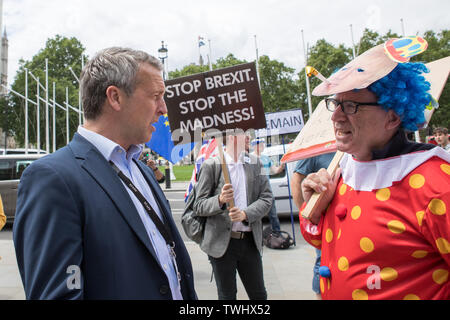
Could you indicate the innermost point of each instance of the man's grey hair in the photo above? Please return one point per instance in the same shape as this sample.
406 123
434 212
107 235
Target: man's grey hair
111 67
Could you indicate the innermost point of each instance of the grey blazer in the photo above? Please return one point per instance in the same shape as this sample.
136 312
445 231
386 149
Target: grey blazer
218 224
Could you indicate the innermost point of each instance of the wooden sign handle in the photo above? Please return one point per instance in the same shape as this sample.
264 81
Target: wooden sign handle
223 163
314 206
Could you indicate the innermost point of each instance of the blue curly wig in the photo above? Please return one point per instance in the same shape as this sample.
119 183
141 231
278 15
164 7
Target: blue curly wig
405 91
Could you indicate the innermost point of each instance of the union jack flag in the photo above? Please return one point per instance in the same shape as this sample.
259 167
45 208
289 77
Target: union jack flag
208 150
201 41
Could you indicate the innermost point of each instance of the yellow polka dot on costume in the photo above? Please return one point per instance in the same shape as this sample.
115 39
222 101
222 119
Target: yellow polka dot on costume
322 286
411 297
359 294
383 194
396 226
416 181
366 244
339 234
419 254
388 274
446 168
343 264
440 276
419 216
342 189
437 206
316 243
329 235
356 212
443 245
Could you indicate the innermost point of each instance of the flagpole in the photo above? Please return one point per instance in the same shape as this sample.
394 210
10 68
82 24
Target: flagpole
38 119
199 53
416 133
353 41
403 26
54 117
26 111
81 103
306 77
67 115
47 129
210 58
257 62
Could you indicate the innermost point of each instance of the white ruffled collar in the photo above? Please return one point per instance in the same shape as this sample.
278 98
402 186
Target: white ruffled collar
378 174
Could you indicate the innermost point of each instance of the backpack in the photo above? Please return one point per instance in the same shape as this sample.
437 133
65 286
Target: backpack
279 240
193 225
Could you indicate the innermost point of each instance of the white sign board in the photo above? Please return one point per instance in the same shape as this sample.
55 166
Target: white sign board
282 123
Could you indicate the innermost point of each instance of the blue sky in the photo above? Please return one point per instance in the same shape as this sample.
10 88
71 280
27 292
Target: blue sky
230 25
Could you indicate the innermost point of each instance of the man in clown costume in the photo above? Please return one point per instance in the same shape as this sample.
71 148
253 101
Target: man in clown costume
384 224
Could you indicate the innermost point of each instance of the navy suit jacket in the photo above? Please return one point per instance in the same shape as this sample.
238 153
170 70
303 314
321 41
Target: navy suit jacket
76 224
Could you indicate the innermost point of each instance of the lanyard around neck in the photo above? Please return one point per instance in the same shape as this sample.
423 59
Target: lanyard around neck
162 228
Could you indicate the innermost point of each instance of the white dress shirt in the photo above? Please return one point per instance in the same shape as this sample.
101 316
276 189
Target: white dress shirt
239 183
124 161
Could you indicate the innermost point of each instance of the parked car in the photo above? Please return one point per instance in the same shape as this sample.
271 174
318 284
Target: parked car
279 182
11 168
20 151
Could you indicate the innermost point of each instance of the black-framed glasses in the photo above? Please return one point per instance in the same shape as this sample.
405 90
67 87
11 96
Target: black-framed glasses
348 107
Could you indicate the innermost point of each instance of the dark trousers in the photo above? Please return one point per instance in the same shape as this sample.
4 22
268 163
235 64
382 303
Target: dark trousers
243 256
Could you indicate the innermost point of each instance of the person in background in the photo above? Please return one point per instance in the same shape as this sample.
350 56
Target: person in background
145 158
233 236
441 136
158 174
302 169
2 214
268 169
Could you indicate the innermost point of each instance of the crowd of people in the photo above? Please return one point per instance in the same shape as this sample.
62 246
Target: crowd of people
382 232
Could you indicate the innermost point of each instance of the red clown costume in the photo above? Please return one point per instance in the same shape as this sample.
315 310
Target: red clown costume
386 232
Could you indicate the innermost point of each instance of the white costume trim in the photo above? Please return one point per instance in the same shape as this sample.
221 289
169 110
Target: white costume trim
378 174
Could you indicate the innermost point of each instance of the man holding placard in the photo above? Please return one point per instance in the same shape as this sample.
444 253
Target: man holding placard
233 237
211 103
384 231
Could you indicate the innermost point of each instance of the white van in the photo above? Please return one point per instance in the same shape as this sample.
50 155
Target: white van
279 182
20 151
11 168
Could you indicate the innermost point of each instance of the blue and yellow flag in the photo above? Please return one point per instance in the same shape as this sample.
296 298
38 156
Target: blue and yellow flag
161 142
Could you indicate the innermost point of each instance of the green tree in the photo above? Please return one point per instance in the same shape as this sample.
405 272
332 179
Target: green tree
61 53
371 39
190 69
229 61
279 90
187 71
7 116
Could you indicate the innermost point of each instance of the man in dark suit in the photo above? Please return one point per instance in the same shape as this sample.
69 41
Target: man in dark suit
80 231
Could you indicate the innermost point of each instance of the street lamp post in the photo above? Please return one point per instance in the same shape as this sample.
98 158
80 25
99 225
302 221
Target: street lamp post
162 54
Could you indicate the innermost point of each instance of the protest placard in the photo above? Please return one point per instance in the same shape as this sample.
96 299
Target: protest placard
283 122
223 99
317 136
